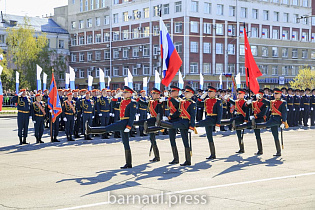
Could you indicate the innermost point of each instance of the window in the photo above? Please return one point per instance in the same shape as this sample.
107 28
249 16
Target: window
275 34
219 68
92 4
89 22
81 40
98 55
156 11
115 53
285 52
206 68
219 29
231 69
276 16
265 33
61 44
178 6
89 39
146 31
207 8
81 56
242 69
264 69
313 21
285 34
295 35
219 48
207 28
178 27
304 53
97 21
296 18
231 49
125 52
242 49
255 14
294 53
194 27
254 50
106 20
73 26
231 11
264 51
194 6
313 37
86 5
73 57
125 16
313 54
243 12
305 3
275 52
295 2
166 9
135 33
156 30
254 32
81 5
116 35
103 3
275 1
125 70
135 52
115 18
304 37
285 70
73 41
81 73
81 24
89 56
295 70
168 27
231 30
106 37
97 4
125 34
106 54
207 47
193 67
134 71
146 12
286 17
285 1
146 70
116 1
194 47
220 9
156 48
274 70
146 50
179 47
116 71
266 15
98 38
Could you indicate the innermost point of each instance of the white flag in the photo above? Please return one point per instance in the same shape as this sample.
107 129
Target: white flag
90 81
72 74
101 75
1 69
38 71
17 78
126 81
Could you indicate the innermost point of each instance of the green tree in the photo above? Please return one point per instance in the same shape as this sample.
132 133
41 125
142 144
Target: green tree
305 79
7 74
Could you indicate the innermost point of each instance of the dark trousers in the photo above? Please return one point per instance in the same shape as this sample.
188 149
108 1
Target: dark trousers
39 126
77 124
273 123
69 124
306 115
296 115
199 114
105 118
183 126
209 124
55 127
87 117
22 121
172 134
120 126
143 116
313 117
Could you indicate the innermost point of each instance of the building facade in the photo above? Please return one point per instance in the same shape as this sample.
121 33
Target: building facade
117 35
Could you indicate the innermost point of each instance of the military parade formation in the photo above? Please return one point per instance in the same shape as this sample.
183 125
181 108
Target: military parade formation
119 113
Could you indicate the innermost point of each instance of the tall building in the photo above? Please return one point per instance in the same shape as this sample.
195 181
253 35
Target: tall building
117 35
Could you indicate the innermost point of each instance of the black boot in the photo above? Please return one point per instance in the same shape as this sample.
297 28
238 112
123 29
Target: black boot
24 140
225 122
152 129
188 158
175 155
277 143
156 154
128 160
212 151
37 141
40 140
55 139
88 137
21 142
158 120
165 124
70 138
259 145
241 144
131 134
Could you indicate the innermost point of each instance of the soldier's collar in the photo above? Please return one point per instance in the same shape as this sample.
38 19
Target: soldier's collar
129 98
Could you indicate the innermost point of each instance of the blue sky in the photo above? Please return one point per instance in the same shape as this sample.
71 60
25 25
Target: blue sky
30 8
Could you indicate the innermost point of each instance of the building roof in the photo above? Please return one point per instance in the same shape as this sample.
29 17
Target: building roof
46 25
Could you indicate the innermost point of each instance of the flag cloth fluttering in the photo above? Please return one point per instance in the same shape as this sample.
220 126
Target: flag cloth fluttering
157 80
170 58
44 81
201 82
72 78
17 82
180 80
252 70
53 100
101 79
38 72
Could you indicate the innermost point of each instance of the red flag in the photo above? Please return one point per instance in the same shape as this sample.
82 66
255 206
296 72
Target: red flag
251 67
53 100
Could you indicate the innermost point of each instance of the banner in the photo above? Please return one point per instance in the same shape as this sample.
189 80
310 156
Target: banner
101 79
130 79
108 82
67 81
145 84
72 78
201 82
38 72
180 80
157 80
17 81
90 82
44 81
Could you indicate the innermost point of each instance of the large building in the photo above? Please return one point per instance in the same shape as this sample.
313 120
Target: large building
117 35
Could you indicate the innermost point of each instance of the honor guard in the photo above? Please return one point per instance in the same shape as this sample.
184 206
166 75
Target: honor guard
103 110
213 108
38 113
142 107
79 122
45 100
61 98
69 115
224 108
278 117
23 107
88 109
290 105
115 104
305 106
128 109
297 101
96 118
200 106
312 104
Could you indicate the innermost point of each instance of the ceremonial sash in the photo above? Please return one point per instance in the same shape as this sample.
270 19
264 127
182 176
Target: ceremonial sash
183 109
171 105
152 109
71 106
40 107
274 109
256 109
239 108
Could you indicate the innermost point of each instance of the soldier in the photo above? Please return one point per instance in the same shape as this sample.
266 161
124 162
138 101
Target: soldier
297 101
187 115
213 108
88 109
115 104
142 107
305 106
103 110
23 107
38 114
278 117
241 116
61 93
290 102
79 124
155 108
45 100
312 104
96 115
127 114
200 106
224 107
68 115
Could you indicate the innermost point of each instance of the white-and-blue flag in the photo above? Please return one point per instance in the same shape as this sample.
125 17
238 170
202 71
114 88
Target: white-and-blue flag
145 84
221 84
17 82
180 80
102 79
67 81
38 72
90 82
108 82
126 81
201 81
157 80
130 79
238 80
44 81
72 78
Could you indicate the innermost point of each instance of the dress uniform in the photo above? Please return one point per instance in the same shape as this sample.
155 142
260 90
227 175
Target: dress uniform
142 107
312 103
305 106
213 107
128 109
115 104
88 110
103 110
45 100
96 119
296 105
200 106
23 107
290 105
155 108
79 125
68 115
278 117
38 113
61 98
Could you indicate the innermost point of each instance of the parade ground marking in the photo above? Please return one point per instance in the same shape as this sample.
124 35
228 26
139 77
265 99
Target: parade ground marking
203 188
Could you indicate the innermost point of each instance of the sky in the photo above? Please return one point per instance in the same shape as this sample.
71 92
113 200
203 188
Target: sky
31 8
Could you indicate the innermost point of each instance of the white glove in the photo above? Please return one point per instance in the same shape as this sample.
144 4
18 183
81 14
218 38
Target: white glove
226 97
312 108
162 99
165 118
282 126
118 95
302 109
293 109
50 111
127 130
113 115
34 122
251 117
217 128
165 94
92 117
287 109
30 117
20 93
75 118
204 95
65 119
148 115
138 115
248 102
258 96
100 114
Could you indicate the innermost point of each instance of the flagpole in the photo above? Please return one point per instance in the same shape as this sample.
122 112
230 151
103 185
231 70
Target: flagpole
247 73
50 122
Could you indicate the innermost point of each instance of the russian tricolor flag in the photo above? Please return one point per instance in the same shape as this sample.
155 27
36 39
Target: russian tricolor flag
241 31
1 90
312 37
170 58
293 36
263 33
229 30
283 35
